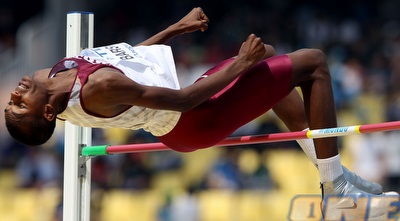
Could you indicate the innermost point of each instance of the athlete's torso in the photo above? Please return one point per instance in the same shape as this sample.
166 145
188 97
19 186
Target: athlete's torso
146 65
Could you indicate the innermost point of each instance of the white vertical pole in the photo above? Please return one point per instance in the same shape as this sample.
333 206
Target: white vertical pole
77 176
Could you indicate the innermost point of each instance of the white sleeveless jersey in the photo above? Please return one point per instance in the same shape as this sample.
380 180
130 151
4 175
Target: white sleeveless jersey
146 65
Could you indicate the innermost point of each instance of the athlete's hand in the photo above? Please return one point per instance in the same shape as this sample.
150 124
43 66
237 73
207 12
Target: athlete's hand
193 21
252 50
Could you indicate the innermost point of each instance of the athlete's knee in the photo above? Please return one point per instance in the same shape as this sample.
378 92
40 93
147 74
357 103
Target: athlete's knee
316 63
313 57
322 69
319 57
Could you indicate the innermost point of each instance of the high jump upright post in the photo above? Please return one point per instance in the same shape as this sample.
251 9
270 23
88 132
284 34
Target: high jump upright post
77 169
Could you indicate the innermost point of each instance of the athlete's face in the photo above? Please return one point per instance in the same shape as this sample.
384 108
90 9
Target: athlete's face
27 99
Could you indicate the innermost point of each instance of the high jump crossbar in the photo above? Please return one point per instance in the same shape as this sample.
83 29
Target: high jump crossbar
252 139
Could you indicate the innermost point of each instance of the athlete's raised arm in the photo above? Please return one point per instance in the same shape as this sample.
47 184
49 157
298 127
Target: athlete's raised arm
193 21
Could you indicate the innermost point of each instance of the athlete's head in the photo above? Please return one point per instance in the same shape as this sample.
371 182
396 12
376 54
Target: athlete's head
29 118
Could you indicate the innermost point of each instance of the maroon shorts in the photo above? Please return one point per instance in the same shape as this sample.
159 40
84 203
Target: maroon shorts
246 98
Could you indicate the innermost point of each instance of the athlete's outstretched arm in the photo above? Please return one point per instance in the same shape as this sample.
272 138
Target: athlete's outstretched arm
117 90
193 21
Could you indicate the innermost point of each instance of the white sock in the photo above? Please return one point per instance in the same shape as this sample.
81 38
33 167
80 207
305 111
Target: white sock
309 149
329 168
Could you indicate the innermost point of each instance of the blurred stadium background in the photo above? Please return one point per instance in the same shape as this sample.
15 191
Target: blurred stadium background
360 38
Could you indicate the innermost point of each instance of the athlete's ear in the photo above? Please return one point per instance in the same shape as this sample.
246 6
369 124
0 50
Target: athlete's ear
49 112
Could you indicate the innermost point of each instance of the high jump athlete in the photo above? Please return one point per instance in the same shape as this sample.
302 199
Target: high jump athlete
137 87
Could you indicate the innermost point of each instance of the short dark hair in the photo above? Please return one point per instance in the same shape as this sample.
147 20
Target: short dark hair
30 131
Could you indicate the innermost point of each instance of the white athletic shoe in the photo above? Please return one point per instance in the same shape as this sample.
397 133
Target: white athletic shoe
360 183
341 200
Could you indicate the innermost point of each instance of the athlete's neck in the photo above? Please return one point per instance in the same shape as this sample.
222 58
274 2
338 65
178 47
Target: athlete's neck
59 88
